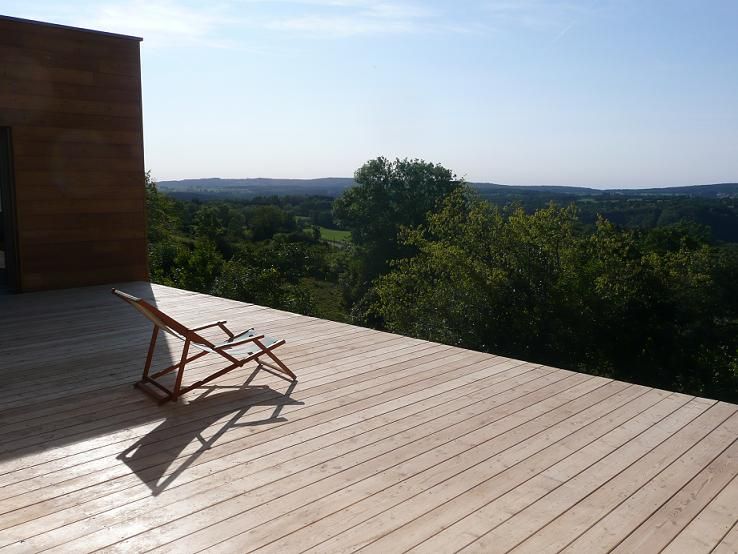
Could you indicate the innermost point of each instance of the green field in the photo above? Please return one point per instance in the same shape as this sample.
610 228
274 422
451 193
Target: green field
335 235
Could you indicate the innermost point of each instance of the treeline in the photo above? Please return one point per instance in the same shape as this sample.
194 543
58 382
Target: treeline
428 257
716 216
266 250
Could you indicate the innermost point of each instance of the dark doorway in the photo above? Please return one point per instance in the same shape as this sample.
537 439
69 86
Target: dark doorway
8 230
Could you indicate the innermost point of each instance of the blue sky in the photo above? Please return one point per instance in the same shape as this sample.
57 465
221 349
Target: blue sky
611 93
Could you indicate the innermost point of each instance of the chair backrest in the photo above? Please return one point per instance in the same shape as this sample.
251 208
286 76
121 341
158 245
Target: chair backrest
159 318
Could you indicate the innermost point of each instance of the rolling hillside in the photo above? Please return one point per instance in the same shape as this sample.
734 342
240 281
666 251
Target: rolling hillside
333 186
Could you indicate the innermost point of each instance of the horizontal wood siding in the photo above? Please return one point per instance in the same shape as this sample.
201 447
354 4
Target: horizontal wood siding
73 101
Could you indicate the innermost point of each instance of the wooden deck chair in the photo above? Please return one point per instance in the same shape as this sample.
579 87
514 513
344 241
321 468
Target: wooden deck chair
238 349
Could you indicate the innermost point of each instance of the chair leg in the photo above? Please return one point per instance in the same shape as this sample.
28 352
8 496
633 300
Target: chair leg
180 372
146 380
150 355
280 366
155 390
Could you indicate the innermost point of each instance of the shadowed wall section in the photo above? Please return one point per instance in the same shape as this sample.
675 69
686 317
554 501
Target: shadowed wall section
72 99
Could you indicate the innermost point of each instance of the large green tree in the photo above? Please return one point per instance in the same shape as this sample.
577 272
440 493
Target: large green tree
388 196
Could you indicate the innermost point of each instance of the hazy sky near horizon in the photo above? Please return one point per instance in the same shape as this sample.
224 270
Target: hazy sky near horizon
603 93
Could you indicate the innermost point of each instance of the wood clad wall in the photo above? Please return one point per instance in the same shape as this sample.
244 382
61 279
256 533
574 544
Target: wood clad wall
72 99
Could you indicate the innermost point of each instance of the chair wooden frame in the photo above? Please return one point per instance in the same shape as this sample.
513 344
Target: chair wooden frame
191 338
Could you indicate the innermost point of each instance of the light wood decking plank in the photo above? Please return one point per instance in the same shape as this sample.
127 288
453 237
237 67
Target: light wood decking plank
388 384
372 424
325 369
389 443
729 543
505 450
522 460
676 510
458 513
181 503
708 528
654 449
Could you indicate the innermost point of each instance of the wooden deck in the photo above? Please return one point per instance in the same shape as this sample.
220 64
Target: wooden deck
386 444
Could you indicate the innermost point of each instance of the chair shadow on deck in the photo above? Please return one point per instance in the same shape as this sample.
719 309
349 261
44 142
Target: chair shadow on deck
152 456
75 385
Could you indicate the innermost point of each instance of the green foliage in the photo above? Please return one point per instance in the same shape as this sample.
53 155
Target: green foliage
665 311
266 221
207 224
199 268
163 259
160 212
481 276
261 285
389 195
534 286
326 299
246 251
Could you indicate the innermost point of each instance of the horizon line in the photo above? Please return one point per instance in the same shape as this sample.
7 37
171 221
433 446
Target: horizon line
592 187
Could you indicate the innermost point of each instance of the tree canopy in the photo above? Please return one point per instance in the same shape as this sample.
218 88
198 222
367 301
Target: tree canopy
389 196
536 287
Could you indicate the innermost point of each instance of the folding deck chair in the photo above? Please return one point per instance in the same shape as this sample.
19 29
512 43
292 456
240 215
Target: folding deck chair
238 349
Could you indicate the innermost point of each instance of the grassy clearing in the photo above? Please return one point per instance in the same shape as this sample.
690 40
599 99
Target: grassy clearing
334 235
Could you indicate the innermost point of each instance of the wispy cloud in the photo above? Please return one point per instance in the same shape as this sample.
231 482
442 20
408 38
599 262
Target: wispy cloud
336 26
347 18
161 22
232 23
554 16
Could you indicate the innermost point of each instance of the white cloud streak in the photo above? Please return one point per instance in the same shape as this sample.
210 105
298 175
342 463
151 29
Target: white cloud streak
176 23
346 18
160 22
226 23
552 16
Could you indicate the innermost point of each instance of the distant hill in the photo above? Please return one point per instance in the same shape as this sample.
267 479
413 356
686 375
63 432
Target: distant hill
703 191
248 188
334 186
718 190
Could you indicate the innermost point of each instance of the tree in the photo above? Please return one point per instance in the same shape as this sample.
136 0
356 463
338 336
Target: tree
262 284
198 269
265 221
162 224
389 195
659 316
486 279
208 224
160 212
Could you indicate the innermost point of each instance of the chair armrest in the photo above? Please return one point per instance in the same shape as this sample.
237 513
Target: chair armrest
239 342
221 324
208 325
